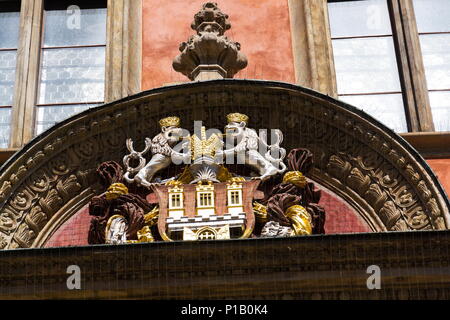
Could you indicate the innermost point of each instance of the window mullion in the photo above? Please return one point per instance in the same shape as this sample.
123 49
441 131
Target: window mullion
123 74
411 68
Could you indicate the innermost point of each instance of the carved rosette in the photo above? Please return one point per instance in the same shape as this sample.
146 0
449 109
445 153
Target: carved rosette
371 168
210 54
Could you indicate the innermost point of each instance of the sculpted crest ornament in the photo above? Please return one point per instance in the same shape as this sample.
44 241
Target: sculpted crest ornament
161 148
205 154
209 184
208 198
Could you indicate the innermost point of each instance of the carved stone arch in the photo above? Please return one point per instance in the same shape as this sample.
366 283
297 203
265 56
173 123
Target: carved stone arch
372 168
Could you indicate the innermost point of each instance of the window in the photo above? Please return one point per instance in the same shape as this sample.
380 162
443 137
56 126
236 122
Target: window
234 197
206 235
365 60
59 64
175 201
433 24
72 68
9 39
205 199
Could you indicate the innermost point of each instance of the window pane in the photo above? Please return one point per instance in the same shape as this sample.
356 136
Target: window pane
62 29
5 126
440 108
387 108
432 15
366 65
359 18
7 76
48 116
72 75
436 58
9 34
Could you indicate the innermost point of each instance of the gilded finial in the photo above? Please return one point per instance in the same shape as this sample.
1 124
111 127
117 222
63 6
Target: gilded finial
237 117
170 122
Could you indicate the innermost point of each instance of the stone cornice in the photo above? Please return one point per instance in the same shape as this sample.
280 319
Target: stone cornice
414 265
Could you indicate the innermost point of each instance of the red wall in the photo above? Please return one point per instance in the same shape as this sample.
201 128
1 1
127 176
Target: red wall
441 168
73 232
340 217
260 26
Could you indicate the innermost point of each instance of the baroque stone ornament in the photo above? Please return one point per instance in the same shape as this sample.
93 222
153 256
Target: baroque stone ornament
209 54
374 170
205 154
161 148
206 200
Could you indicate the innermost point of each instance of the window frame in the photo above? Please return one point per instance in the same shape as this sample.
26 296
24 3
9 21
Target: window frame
122 78
410 65
176 201
43 48
205 199
431 33
11 6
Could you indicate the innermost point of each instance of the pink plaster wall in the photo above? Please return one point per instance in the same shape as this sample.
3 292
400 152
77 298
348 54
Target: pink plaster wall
441 168
260 26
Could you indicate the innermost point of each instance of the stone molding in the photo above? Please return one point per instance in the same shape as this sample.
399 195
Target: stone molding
414 265
373 168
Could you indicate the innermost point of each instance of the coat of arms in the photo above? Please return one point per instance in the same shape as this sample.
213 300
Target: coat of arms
229 183
208 199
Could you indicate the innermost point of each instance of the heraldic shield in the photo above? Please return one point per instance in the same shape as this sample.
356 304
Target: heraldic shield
207 211
233 185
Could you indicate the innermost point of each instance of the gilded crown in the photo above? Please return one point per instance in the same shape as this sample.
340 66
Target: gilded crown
203 146
170 122
237 117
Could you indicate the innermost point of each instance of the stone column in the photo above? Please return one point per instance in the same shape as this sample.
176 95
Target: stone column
123 49
311 44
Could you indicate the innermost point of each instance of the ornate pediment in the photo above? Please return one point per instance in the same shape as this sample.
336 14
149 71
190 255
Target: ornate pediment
374 170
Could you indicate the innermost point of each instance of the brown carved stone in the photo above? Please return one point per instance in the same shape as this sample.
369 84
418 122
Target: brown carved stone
131 206
284 195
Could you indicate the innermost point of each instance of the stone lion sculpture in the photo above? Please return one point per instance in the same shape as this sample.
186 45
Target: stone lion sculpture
161 147
246 143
